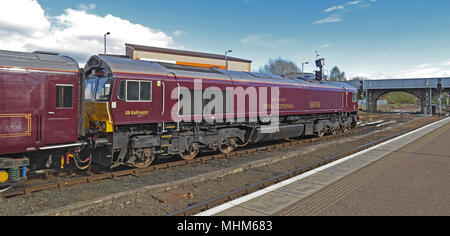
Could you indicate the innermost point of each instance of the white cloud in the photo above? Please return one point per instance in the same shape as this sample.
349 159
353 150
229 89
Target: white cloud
24 26
353 3
22 17
425 71
330 19
419 71
334 8
340 10
179 33
327 45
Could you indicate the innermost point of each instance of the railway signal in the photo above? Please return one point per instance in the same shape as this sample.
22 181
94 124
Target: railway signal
319 75
320 63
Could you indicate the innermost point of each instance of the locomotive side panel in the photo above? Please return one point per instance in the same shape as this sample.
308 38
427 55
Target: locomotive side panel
22 107
61 115
32 112
198 109
138 99
323 100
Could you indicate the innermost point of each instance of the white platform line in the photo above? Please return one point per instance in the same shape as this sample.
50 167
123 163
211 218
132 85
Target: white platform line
272 188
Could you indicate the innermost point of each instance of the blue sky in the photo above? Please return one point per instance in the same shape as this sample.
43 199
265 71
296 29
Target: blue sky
376 39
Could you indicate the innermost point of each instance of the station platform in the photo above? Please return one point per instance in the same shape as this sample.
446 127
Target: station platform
408 175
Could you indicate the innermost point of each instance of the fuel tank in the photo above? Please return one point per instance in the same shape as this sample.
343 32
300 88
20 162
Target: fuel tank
272 133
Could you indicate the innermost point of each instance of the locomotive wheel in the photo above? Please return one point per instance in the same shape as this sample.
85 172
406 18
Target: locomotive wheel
346 128
333 131
145 159
228 146
321 133
190 154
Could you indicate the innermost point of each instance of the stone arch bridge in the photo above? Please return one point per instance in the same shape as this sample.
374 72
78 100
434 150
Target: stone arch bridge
424 89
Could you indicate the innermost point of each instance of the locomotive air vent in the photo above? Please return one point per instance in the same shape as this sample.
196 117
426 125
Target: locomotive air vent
46 53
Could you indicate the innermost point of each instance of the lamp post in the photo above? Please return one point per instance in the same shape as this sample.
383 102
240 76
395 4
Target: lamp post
108 33
303 66
226 58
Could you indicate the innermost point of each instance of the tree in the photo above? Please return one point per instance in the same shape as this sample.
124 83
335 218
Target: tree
280 67
359 78
337 75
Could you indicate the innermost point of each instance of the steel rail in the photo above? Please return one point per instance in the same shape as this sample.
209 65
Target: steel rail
224 198
28 190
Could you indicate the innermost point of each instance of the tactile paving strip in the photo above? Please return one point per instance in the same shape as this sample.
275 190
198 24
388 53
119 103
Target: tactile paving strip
321 200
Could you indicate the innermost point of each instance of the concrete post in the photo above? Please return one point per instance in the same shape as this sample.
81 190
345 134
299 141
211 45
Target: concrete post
367 100
431 101
448 95
424 104
424 108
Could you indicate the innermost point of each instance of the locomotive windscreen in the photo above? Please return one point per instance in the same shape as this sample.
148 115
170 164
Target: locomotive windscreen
98 88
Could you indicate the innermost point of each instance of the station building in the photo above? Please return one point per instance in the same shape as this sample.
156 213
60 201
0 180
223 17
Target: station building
188 58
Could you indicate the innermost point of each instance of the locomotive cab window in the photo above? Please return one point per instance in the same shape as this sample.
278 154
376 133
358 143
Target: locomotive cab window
103 89
89 91
354 97
135 91
98 87
64 96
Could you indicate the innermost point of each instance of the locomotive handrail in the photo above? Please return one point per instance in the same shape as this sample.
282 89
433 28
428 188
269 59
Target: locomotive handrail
163 98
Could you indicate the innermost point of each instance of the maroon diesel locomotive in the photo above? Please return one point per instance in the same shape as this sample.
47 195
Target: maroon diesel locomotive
119 111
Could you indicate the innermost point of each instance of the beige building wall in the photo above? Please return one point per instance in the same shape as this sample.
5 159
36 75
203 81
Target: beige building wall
180 59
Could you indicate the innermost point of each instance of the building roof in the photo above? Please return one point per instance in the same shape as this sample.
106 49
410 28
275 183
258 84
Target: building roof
184 53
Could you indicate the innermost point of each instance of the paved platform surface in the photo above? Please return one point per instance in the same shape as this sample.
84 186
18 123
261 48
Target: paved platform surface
409 175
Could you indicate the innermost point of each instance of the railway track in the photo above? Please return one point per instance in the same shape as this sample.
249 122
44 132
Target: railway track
224 198
115 175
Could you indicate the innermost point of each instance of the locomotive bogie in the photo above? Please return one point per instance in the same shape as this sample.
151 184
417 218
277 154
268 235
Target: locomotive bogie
12 171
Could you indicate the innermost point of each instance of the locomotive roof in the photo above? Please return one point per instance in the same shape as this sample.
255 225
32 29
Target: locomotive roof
37 60
127 65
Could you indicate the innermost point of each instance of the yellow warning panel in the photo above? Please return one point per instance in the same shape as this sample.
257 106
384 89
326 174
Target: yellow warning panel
3 176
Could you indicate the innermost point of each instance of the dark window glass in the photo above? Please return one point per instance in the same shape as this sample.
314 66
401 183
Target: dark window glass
104 89
145 91
121 91
132 91
64 96
90 89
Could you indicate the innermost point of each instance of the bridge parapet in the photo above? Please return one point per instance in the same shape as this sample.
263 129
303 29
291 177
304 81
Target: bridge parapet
407 83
